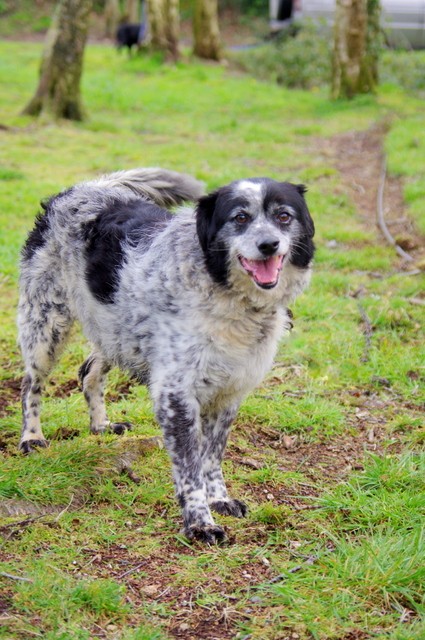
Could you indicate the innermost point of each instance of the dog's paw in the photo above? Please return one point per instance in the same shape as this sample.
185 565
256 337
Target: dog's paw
208 533
28 446
231 507
120 427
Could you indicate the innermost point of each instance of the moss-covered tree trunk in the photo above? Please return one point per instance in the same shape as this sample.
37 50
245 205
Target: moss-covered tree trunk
58 91
206 31
156 21
132 11
173 28
112 16
164 26
373 38
354 68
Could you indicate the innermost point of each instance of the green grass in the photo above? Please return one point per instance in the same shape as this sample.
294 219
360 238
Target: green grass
326 552
24 17
405 145
367 558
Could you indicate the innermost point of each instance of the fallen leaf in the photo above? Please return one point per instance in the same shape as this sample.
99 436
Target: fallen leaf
150 589
250 462
289 442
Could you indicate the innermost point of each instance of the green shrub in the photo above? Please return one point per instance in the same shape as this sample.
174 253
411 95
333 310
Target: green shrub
404 68
295 61
301 59
249 7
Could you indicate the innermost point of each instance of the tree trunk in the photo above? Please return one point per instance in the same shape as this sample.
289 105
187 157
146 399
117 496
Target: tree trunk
354 66
112 16
374 38
173 28
164 26
58 91
132 11
156 22
206 31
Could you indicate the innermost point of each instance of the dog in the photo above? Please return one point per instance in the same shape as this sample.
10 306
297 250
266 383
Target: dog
192 304
130 35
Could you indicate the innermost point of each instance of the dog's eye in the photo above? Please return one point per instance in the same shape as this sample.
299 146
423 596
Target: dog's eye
242 217
283 217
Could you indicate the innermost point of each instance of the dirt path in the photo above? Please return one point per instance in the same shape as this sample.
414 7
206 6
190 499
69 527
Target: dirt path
359 158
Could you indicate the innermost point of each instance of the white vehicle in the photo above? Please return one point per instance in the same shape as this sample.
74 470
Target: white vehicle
402 20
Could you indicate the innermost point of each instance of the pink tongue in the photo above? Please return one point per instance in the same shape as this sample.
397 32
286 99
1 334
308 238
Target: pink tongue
263 271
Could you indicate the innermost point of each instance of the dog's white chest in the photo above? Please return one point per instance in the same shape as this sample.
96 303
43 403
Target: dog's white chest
236 356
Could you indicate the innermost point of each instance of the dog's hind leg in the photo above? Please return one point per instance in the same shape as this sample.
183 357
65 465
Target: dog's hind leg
92 376
44 328
215 431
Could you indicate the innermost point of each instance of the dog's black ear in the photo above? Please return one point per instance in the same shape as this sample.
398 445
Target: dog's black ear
304 251
208 223
307 220
204 219
301 188
308 223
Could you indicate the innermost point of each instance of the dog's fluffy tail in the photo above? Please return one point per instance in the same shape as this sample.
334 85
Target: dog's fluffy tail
164 188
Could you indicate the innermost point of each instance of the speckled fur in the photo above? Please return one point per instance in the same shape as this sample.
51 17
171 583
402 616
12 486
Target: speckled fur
200 336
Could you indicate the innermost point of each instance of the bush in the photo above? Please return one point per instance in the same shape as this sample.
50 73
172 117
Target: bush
249 7
404 68
301 59
295 61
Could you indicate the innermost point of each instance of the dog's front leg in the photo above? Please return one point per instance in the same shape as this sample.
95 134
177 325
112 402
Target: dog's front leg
179 418
215 431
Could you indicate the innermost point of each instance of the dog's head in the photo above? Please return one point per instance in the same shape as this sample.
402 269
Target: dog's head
254 227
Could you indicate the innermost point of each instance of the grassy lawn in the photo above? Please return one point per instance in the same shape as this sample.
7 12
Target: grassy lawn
328 452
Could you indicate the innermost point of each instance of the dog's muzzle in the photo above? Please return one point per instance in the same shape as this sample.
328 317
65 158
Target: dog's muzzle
265 273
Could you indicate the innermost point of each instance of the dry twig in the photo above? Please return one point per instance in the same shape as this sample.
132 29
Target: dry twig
132 570
367 332
419 301
12 577
284 576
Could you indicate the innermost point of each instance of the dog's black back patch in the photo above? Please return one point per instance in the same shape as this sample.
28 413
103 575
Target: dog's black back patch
121 224
38 236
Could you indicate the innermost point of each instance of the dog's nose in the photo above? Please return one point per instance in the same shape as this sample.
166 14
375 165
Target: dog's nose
268 247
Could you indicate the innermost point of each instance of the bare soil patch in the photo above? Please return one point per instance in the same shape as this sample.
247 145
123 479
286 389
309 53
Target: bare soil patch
10 394
155 580
359 158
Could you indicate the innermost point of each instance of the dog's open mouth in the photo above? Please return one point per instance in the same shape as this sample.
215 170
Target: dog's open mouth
265 272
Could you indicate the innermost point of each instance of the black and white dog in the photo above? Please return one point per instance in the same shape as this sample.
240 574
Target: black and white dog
193 304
